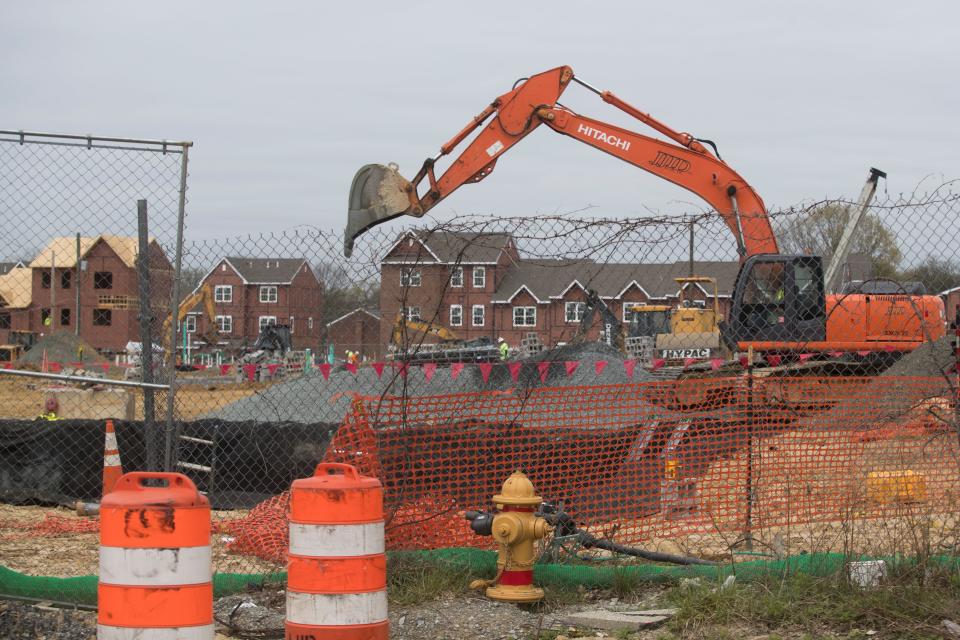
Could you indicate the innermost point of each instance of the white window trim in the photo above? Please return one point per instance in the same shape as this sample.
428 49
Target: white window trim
267 289
579 313
224 324
189 323
525 308
483 315
410 277
269 320
408 313
482 272
456 271
459 308
310 323
291 324
223 288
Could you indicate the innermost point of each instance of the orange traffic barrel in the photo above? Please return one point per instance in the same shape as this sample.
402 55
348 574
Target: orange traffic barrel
155 576
336 570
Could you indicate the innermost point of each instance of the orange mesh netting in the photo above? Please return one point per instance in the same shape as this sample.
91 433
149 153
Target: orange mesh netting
650 460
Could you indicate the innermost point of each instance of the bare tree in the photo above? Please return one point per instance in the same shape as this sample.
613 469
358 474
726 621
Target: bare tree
818 232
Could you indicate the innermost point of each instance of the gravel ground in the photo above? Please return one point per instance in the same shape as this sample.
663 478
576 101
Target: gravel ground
311 398
461 616
22 621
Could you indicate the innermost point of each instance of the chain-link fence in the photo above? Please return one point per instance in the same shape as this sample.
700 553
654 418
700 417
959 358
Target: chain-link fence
666 392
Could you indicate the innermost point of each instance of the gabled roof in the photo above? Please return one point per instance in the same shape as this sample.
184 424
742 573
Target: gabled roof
62 251
16 287
267 270
355 311
454 247
5 267
546 279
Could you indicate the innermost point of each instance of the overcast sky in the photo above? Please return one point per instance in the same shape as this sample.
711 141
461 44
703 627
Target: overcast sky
286 100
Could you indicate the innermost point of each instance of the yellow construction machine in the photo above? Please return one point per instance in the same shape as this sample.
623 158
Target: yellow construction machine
204 296
694 325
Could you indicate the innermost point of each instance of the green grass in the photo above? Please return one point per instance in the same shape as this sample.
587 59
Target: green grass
903 608
412 579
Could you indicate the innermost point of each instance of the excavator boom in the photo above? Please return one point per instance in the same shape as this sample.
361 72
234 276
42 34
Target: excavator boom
379 193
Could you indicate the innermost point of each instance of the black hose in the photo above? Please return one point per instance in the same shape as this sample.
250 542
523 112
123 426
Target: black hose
591 541
565 526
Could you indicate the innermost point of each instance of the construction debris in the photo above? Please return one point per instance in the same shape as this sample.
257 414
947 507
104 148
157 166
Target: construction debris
63 347
618 620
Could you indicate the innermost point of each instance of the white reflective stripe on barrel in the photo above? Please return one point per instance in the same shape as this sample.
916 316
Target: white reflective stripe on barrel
336 540
336 609
111 460
154 567
200 632
110 442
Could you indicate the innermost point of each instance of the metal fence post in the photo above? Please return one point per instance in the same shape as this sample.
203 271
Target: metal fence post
168 458
146 337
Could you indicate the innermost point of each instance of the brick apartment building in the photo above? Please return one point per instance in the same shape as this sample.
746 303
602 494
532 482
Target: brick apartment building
41 297
357 331
252 292
15 292
479 285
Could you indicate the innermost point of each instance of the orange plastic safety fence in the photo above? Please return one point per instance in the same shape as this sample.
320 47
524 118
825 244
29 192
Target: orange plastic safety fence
648 461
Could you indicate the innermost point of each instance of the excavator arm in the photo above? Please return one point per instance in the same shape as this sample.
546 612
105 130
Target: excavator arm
202 295
379 193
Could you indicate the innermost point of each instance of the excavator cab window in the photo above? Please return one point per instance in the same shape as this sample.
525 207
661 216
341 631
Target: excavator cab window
778 298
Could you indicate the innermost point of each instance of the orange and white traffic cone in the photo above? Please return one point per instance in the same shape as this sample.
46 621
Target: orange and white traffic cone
112 470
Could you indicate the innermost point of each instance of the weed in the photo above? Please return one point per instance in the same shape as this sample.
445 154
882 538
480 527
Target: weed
902 608
624 582
412 579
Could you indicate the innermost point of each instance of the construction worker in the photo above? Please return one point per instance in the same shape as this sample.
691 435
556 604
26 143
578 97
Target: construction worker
504 348
49 410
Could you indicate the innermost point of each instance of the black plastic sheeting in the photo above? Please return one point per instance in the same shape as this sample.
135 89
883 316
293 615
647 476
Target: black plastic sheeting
62 461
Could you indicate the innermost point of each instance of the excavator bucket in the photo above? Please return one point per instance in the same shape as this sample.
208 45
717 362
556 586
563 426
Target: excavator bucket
378 193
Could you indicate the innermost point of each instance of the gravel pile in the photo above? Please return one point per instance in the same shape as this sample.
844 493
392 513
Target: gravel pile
61 347
311 398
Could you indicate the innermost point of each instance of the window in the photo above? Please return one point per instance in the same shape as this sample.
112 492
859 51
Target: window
223 293
524 316
456 315
479 277
268 294
573 311
410 277
291 325
267 320
190 324
66 278
223 267
102 280
310 323
477 319
65 317
225 324
45 279
628 310
45 317
5 321
102 317
456 277
411 313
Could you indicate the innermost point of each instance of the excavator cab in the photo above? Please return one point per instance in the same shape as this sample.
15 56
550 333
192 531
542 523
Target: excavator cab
777 298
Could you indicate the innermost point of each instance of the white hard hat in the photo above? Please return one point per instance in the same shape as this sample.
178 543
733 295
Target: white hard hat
500 339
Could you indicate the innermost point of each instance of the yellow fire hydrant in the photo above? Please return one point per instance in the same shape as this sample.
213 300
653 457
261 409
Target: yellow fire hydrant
515 527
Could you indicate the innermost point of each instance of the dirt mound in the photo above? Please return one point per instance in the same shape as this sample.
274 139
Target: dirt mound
63 346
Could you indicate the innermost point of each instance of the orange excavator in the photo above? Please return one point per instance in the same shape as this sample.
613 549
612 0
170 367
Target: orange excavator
779 303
